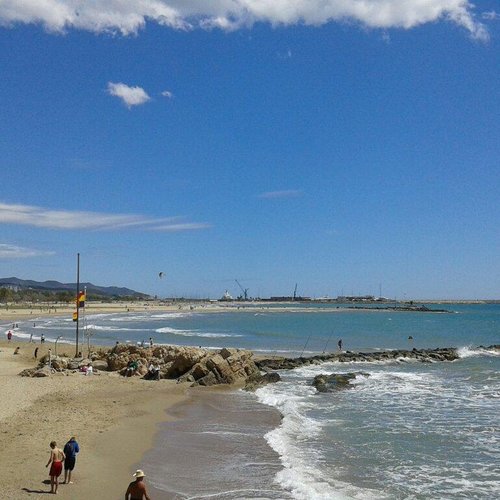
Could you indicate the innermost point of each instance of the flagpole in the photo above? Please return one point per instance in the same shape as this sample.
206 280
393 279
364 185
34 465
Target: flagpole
86 332
77 303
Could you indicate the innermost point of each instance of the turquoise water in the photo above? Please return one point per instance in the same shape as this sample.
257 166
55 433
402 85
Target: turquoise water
311 329
407 431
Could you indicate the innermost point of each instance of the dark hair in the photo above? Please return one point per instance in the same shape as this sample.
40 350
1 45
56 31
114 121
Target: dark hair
53 444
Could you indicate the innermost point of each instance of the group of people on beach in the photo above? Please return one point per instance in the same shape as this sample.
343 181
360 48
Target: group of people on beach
58 458
66 458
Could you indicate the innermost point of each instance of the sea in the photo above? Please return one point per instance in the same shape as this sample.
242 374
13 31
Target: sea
403 430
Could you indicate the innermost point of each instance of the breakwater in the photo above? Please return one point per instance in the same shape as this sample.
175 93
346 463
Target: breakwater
422 355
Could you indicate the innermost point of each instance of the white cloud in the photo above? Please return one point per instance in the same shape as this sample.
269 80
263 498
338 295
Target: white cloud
131 96
179 227
491 16
272 195
14 252
129 16
65 219
167 94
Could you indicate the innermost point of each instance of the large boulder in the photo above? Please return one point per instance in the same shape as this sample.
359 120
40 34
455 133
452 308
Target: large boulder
29 372
183 359
335 381
233 366
43 372
59 363
259 380
100 365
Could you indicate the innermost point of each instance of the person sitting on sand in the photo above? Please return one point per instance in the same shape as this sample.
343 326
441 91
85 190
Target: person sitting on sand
131 368
137 489
16 351
56 458
90 369
154 372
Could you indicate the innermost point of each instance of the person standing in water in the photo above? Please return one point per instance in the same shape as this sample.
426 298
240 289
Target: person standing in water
339 343
56 459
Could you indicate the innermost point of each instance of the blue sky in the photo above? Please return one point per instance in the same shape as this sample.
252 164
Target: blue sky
337 145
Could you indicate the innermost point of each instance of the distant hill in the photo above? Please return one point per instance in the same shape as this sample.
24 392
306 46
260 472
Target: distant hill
56 286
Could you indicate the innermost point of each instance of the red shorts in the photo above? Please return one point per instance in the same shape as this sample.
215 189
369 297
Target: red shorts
56 469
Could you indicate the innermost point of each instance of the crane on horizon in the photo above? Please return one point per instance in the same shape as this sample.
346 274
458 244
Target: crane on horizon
244 291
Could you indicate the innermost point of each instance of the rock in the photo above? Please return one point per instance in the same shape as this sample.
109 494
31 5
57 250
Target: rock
100 364
59 363
259 380
29 372
43 372
184 360
335 381
207 380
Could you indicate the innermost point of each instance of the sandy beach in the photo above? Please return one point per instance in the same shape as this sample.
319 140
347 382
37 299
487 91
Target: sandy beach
114 420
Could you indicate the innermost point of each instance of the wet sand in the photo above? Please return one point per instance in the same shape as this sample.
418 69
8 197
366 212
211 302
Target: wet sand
215 448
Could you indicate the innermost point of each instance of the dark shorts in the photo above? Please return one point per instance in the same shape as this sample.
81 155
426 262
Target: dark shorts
69 463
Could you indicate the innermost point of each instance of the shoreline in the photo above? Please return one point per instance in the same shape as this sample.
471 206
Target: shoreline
23 312
115 420
214 448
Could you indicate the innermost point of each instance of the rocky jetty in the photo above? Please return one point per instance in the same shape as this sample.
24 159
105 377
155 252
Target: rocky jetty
423 355
184 364
225 366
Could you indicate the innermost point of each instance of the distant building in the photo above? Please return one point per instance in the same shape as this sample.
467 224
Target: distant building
356 298
226 297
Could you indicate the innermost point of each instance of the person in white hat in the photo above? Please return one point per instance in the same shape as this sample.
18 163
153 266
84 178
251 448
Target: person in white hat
137 489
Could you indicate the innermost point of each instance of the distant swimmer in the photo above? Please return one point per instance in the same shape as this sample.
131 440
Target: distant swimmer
339 343
410 338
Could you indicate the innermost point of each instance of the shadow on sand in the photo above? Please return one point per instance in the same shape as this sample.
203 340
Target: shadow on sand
46 481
